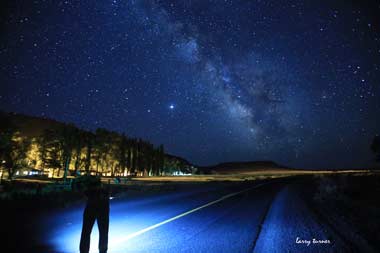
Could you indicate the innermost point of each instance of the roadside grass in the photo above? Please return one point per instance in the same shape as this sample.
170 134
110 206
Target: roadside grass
244 176
29 188
36 192
351 203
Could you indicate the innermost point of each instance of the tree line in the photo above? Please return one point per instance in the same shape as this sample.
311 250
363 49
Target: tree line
69 150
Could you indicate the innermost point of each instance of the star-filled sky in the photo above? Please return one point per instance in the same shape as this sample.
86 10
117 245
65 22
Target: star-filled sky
296 82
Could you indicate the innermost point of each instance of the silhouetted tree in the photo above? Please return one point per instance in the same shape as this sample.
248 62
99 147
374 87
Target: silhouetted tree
80 141
13 147
7 131
89 140
51 154
129 155
139 157
67 141
42 150
375 147
101 147
62 146
161 159
133 156
149 159
122 153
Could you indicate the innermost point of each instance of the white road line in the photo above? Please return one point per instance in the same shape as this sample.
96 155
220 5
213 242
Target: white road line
142 231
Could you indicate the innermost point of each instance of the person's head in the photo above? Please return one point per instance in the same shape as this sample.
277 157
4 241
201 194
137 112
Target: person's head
94 182
87 182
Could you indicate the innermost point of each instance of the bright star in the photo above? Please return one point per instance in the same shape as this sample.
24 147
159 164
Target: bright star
171 107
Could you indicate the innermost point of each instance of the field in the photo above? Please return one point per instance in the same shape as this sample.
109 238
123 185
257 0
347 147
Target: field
243 176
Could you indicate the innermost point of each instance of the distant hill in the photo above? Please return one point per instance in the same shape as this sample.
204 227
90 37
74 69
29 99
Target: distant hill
241 167
31 126
179 159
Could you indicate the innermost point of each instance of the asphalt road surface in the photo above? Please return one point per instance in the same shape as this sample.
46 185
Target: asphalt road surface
253 217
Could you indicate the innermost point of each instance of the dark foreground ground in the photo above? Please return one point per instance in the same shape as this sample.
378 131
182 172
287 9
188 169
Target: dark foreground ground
301 214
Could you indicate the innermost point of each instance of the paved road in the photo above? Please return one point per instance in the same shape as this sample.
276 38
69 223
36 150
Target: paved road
249 218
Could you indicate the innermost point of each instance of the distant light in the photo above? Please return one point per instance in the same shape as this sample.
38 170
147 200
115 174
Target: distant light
171 107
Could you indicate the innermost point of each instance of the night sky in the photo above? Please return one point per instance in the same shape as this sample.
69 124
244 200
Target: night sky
296 82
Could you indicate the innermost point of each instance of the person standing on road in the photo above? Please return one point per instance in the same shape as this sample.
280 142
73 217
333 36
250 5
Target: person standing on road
97 208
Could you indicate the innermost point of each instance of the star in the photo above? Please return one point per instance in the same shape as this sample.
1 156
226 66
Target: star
218 77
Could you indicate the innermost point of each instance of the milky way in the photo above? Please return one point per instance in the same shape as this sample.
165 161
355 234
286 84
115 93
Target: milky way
214 81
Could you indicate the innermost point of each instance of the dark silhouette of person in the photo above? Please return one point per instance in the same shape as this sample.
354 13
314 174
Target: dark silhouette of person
97 208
